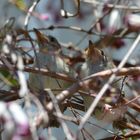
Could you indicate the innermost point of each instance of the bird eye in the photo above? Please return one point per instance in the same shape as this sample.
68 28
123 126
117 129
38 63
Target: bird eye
102 53
52 39
54 43
104 57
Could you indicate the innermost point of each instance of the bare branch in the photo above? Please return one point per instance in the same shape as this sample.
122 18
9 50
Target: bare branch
95 2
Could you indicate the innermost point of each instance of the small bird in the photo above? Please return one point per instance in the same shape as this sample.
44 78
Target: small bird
48 58
96 61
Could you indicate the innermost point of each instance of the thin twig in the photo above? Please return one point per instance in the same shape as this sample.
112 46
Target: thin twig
29 13
132 105
58 111
107 130
132 116
95 2
78 29
133 134
104 74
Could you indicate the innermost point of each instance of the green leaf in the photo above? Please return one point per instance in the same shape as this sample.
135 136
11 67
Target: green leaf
7 78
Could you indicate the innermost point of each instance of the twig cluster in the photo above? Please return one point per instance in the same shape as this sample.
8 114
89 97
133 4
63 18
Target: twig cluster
18 62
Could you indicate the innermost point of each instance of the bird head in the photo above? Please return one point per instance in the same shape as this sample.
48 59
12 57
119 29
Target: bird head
47 43
93 54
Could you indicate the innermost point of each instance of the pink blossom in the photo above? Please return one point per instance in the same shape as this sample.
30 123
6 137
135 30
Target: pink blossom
43 16
114 21
133 20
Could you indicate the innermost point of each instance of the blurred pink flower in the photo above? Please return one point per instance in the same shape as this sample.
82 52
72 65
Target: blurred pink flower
20 119
43 16
133 21
114 21
118 43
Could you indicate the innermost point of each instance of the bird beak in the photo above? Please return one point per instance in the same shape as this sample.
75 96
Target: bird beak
41 37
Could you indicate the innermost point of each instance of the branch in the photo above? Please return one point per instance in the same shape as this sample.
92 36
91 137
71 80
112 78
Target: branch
132 134
41 71
9 95
86 81
78 84
97 3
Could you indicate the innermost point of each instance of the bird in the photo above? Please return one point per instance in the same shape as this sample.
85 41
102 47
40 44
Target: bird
48 58
97 61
